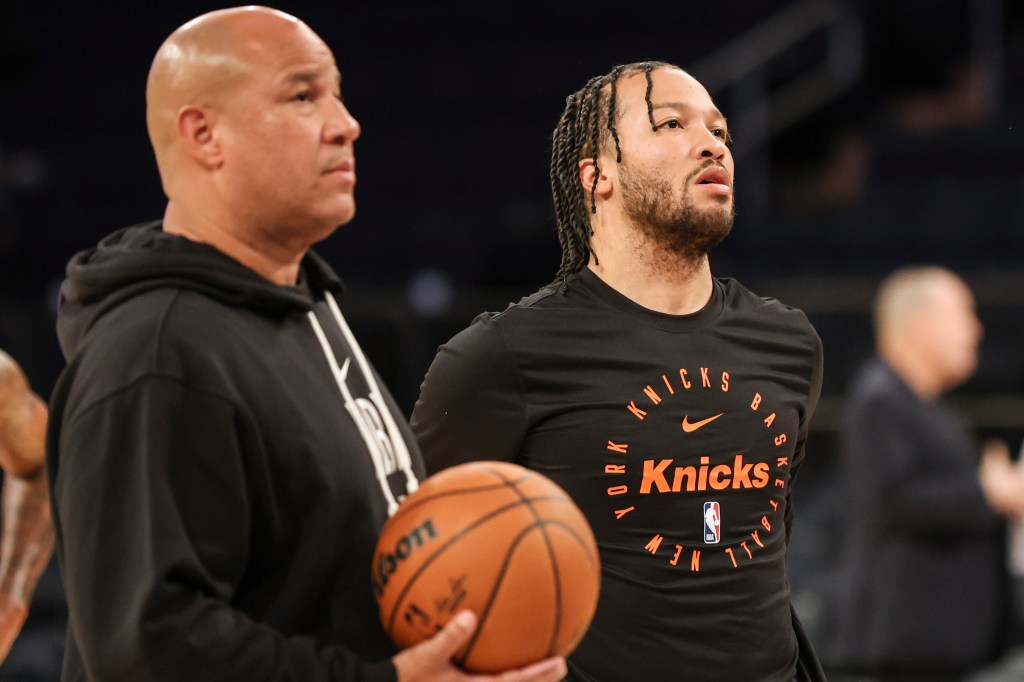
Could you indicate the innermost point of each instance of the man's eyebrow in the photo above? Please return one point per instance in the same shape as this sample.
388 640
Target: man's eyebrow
683 106
310 76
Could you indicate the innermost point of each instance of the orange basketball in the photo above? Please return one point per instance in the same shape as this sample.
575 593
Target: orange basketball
498 539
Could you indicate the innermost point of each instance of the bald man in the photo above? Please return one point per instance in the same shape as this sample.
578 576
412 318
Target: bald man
27 541
221 455
922 526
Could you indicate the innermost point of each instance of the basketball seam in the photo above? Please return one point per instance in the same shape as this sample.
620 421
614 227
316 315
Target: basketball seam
501 576
440 550
556 573
497 586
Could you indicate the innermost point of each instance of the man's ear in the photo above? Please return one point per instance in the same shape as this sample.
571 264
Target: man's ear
195 134
588 169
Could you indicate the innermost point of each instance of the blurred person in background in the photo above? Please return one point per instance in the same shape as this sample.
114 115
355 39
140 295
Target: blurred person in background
27 540
923 527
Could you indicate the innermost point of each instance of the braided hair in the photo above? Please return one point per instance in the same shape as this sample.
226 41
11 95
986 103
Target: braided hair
586 128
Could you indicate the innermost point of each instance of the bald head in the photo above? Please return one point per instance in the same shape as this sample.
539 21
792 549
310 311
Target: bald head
253 140
905 293
203 62
927 328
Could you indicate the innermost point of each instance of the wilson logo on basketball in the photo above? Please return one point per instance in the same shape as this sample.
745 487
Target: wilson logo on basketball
720 477
388 562
510 545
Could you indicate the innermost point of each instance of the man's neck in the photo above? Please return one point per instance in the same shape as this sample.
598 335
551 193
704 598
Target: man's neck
914 369
269 260
661 282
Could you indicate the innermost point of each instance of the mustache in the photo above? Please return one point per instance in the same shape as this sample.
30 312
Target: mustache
703 167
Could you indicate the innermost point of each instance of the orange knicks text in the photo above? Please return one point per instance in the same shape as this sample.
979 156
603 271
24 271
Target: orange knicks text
663 479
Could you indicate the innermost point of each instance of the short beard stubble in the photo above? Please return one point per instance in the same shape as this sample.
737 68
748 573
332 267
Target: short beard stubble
671 223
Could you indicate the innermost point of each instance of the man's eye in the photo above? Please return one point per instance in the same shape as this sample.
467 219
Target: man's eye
303 96
670 124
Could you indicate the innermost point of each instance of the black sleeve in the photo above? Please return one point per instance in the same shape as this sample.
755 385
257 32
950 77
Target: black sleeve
154 522
799 452
472 404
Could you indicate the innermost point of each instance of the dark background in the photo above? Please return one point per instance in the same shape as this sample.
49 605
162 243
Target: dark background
906 149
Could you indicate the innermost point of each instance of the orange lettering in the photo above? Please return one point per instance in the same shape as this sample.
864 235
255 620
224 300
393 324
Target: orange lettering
741 475
736 474
671 391
654 474
757 539
654 544
619 447
761 475
725 382
779 483
637 412
704 381
702 477
618 490
682 377
781 461
690 474
619 513
746 549
655 398
675 557
728 550
715 479
775 506
757 401
615 468
780 439
769 419
695 561
766 523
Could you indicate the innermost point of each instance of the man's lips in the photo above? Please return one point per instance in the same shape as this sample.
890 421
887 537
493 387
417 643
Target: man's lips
342 169
713 176
715 179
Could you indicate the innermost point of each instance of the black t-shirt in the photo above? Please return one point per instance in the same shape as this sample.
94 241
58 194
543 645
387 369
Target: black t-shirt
678 436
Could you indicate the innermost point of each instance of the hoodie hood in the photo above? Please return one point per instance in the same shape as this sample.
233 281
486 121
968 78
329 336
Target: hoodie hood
143 257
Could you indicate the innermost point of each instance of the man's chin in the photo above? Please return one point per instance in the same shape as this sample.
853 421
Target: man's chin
342 214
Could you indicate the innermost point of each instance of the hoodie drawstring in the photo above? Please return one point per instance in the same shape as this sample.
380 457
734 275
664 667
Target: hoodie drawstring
399 456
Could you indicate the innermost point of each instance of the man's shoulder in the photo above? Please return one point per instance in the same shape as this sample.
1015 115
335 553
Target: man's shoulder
496 332
764 309
739 294
163 315
548 297
876 381
165 332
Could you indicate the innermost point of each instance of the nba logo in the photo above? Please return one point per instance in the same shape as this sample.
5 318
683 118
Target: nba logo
712 523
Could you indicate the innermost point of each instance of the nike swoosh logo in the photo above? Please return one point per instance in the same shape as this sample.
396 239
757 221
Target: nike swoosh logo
691 427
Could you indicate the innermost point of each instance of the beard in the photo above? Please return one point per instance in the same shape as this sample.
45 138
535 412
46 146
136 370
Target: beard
670 222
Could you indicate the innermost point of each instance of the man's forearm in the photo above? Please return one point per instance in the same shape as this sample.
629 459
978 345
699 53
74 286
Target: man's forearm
27 536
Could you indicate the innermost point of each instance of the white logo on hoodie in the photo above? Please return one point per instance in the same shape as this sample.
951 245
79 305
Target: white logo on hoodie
376 425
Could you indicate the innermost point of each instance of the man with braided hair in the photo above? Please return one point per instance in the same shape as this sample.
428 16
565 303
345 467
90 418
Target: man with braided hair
672 405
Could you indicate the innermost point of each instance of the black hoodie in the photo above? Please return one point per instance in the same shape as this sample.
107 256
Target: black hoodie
221 460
